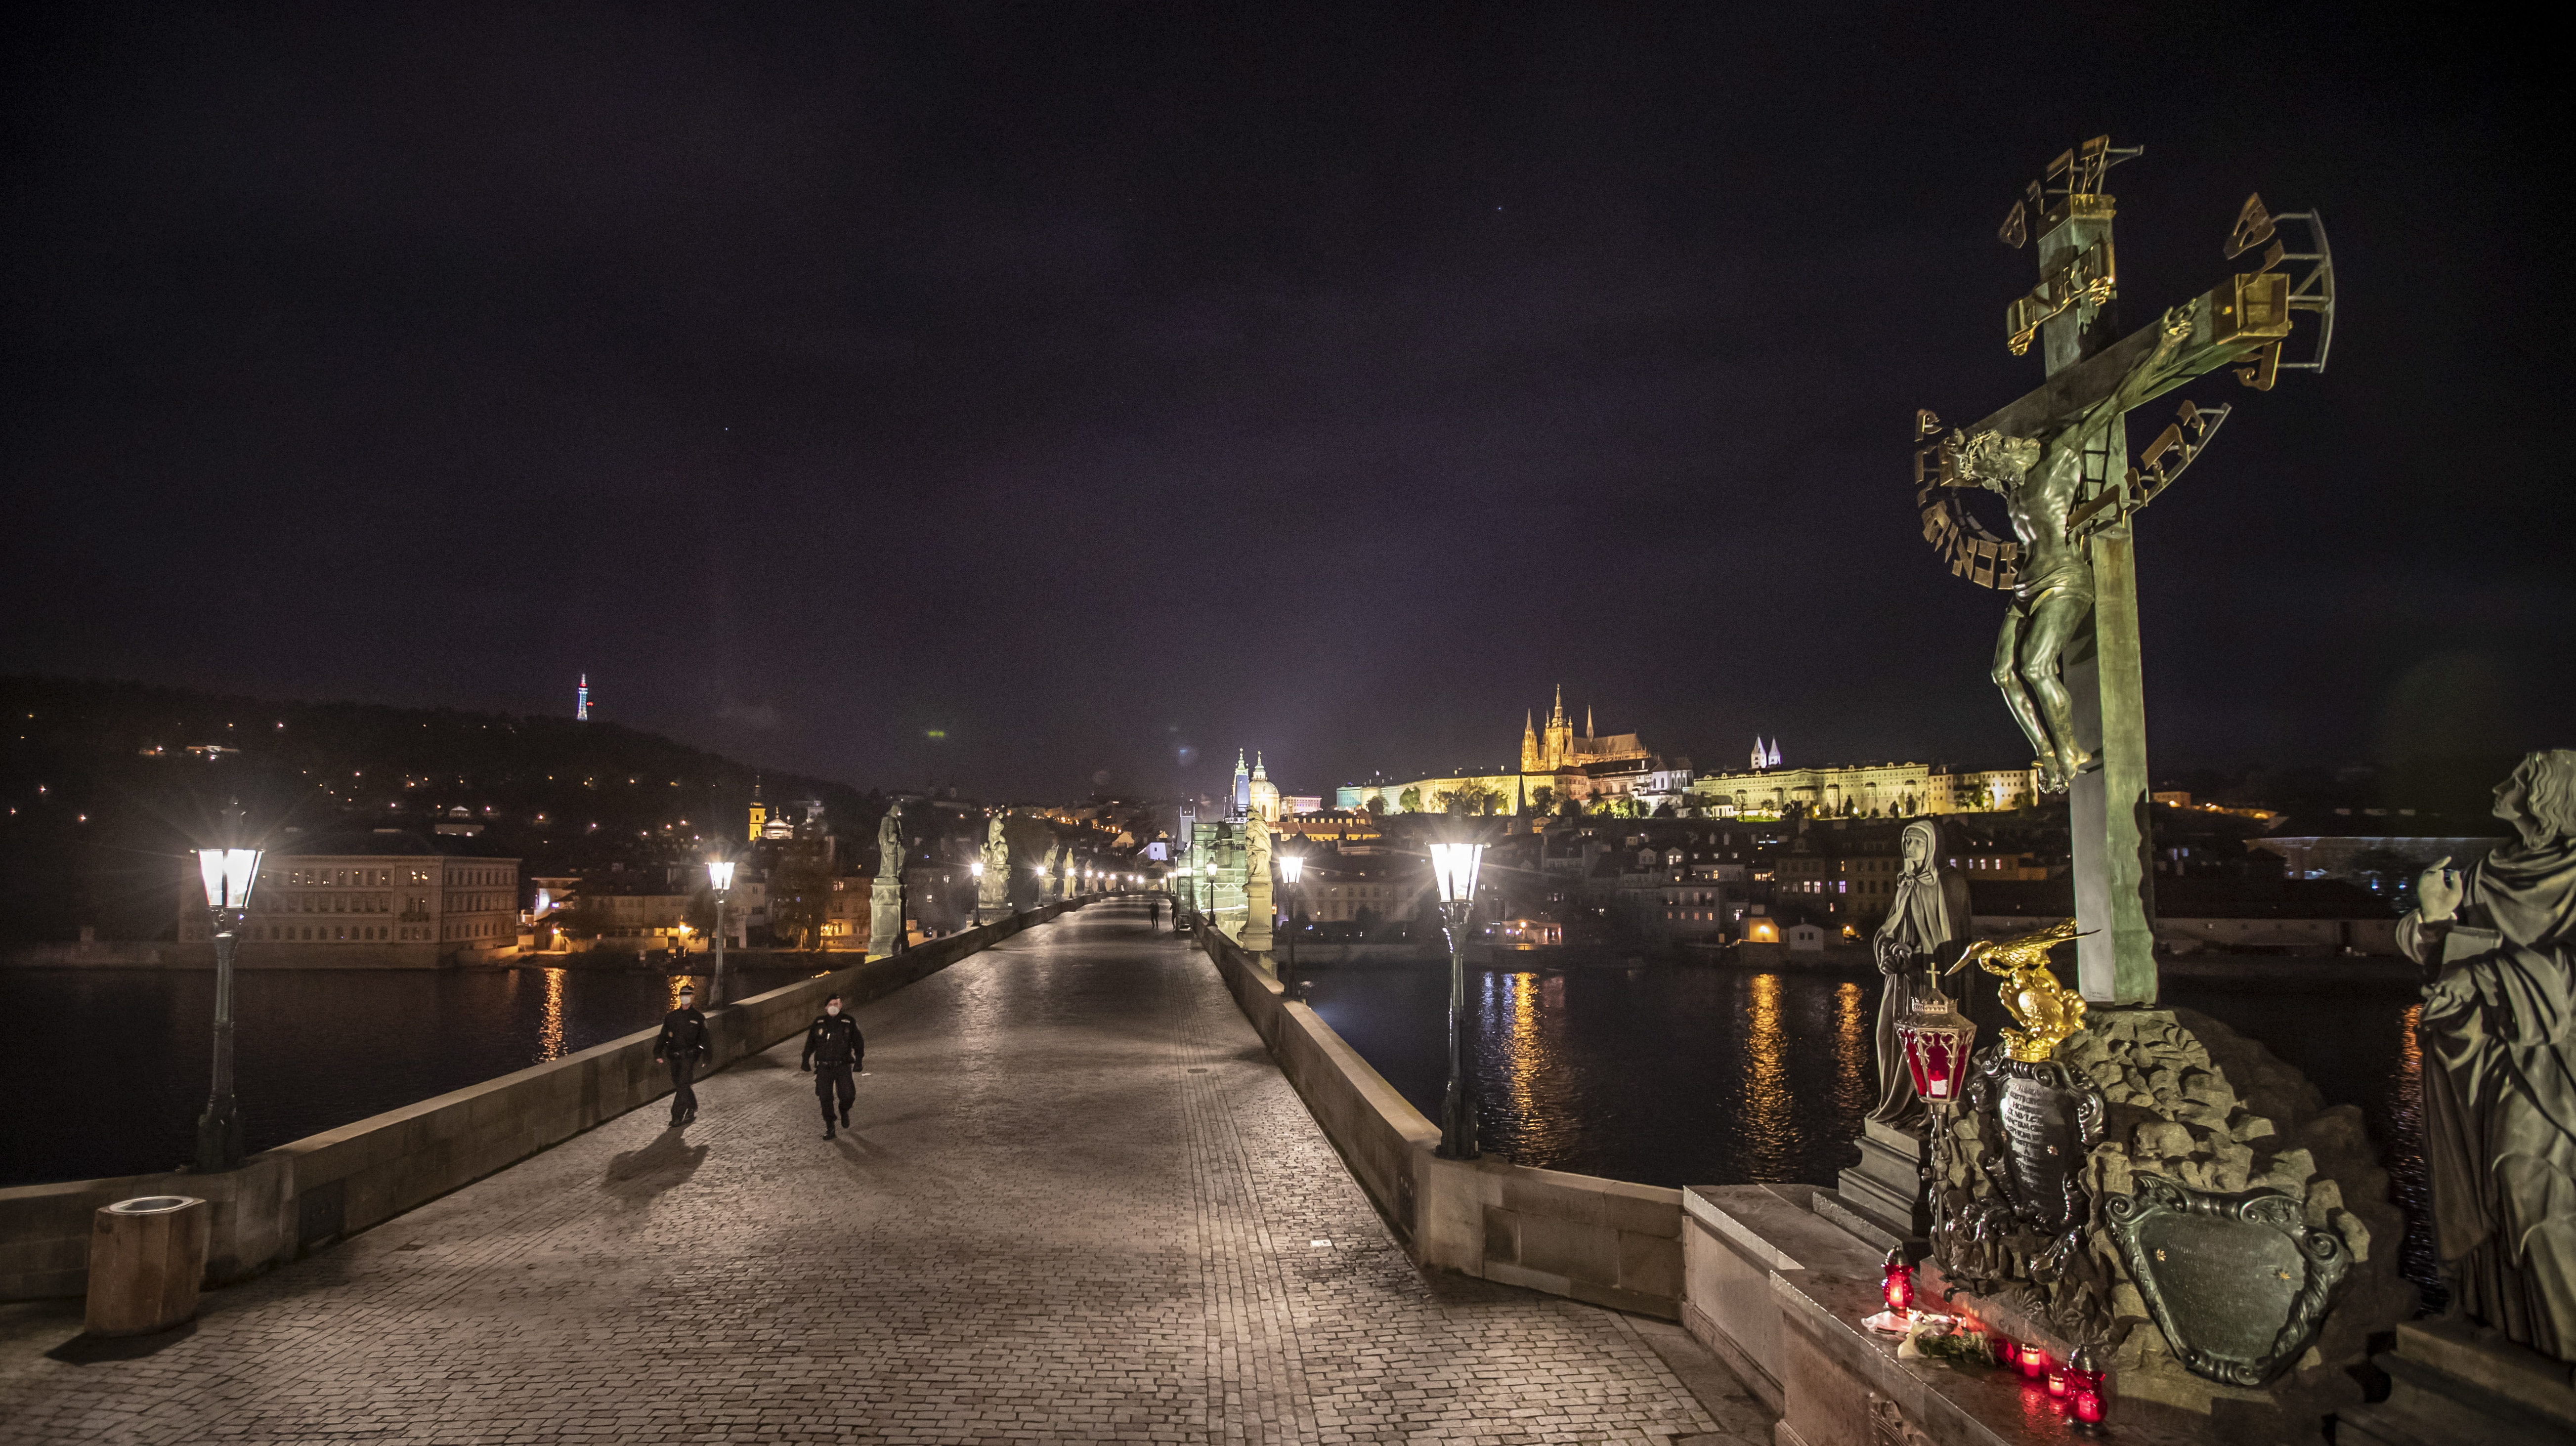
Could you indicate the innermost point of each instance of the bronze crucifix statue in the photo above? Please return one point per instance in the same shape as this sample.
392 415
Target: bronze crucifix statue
2067 659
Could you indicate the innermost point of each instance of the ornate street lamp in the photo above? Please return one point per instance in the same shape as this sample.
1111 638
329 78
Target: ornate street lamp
977 869
1210 913
1453 867
228 874
720 880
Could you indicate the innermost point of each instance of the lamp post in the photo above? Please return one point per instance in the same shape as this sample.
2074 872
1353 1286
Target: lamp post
229 874
720 880
1291 868
977 869
1454 866
1210 912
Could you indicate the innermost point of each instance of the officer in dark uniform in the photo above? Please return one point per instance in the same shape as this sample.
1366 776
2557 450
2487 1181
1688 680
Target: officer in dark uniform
683 1043
833 1048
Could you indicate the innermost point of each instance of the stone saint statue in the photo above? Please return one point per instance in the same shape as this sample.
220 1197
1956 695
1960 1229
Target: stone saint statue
2042 481
890 843
1925 921
1256 848
2499 1037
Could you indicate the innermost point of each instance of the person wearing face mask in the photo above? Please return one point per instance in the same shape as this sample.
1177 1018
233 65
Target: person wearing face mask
833 1048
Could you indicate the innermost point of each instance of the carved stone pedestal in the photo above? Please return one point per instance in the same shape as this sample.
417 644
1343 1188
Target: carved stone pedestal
1255 937
1885 1190
2453 1382
885 917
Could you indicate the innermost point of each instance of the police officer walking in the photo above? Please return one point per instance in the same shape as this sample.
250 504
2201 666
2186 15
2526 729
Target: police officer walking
833 1048
682 1044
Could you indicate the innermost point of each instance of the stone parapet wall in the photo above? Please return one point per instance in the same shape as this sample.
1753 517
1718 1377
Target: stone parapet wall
308 1193
1607 1242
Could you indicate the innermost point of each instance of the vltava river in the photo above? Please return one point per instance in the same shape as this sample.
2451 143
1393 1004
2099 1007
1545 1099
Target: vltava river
1711 1076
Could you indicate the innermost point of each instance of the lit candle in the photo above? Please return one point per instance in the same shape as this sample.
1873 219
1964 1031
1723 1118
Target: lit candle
2034 1361
2084 1386
1896 1281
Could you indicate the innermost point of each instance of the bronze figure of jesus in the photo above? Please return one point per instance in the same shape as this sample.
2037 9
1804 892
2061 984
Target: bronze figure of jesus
2042 481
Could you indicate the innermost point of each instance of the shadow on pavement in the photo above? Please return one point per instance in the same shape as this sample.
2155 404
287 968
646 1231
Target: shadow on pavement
636 1176
852 1145
90 1350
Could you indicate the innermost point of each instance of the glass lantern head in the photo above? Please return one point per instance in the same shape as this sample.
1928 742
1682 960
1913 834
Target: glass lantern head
720 874
228 875
1290 867
1937 1039
1454 866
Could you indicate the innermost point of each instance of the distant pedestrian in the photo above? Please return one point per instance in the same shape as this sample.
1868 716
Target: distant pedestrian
833 1048
682 1045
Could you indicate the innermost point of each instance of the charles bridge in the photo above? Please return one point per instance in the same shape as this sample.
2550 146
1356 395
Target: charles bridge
1082 1201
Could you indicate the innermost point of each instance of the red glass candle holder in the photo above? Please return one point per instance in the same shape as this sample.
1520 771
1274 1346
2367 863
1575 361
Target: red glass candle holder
2034 1361
2084 1381
1896 1282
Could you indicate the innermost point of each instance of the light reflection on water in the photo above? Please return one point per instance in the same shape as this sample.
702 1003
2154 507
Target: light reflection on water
550 1024
1681 1076
1766 1076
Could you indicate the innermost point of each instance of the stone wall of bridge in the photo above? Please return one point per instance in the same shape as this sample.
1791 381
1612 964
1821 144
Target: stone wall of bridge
1606 1242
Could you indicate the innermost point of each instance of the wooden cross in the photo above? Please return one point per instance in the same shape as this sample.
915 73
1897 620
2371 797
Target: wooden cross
2068 660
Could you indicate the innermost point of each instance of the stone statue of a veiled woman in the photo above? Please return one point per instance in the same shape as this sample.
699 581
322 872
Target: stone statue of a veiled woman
1925 923
2499 1035
890 843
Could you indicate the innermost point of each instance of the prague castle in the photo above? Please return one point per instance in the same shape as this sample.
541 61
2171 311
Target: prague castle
1558 748
1559 766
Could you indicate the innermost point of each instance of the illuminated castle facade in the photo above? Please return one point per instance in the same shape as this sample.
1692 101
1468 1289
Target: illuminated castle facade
1557 748
1557 766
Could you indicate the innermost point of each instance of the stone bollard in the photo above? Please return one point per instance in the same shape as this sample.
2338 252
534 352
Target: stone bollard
146 1260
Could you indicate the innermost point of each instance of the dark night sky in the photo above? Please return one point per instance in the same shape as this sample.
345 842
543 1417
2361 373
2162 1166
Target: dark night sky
1089 381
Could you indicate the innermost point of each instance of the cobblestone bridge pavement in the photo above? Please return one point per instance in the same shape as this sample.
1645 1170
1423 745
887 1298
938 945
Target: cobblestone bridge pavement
1080 1203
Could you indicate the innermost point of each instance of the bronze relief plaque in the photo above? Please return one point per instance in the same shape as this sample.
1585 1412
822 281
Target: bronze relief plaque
2238 1283
2044 1144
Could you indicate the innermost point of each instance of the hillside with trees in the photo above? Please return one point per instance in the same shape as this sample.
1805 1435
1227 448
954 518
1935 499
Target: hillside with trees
107 785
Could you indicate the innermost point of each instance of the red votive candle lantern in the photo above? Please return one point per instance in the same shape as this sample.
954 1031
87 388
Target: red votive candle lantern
1896 1282
2034 1361
2084 1387
2057 1380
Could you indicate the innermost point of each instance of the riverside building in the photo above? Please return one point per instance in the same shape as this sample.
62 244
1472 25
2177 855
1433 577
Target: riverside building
387 897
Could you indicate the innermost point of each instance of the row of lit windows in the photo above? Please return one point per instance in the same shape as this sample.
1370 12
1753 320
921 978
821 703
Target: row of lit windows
329 933
341 878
